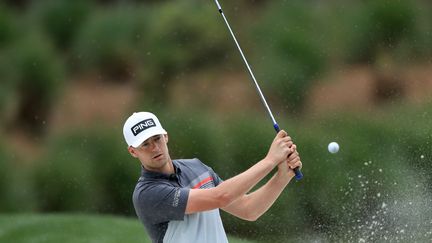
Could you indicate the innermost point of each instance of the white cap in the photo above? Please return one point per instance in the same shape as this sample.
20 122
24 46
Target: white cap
140 126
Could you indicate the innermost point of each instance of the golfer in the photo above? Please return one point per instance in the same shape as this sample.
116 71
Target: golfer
179 200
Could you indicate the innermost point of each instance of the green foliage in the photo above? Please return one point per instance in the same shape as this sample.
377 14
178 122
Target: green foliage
290 50
173 36
35 75
31 70
180 126
8 86
4 175
61 20
243 142
95 171
7 34
65 181
108 41
16 190
38 67
382 25
177 42
6 27
419 44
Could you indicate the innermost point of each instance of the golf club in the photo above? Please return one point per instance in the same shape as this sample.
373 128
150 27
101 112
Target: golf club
298 174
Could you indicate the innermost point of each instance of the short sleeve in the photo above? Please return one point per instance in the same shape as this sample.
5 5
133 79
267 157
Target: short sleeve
160 203
216 179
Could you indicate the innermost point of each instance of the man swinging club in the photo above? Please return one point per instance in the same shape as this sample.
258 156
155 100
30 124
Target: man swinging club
179 200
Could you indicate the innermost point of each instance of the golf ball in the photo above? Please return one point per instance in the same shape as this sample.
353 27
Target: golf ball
333 147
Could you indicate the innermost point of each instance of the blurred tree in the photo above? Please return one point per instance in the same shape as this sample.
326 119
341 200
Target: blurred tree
4 177
36 72
177 43
108 43
17 3
8 34
7 26
290 54
381 27
7 88
61 19
93 166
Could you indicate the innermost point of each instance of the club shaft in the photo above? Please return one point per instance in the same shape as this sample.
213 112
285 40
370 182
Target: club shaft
248 68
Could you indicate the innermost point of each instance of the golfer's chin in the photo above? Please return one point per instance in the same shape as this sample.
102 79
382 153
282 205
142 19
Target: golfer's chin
156 165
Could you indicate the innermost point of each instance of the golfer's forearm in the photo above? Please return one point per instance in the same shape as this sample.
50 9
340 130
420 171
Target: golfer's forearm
238 185
259 201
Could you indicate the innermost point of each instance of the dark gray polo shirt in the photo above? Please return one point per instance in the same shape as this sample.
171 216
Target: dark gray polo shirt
160 203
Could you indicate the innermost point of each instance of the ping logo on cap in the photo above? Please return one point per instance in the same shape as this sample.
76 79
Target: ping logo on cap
142 125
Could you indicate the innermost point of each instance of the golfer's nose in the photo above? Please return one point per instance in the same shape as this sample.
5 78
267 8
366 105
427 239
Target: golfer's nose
155 147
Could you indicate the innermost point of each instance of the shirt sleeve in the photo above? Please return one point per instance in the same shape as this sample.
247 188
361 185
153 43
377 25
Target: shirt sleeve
161 202
216 179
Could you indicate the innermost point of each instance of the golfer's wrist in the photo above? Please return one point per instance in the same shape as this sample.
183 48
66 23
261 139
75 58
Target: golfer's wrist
271 161
282 170
282 177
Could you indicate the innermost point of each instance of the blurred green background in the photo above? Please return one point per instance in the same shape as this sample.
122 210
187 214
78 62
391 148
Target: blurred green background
355 72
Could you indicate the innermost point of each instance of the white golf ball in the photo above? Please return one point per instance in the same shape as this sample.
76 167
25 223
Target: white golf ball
333 147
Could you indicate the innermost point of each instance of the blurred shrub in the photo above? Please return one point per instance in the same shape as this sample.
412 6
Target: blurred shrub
414 138
61 20
114 170
108 42
37 73
7 35
16 190
7 88
65 180
87 171
245 141
190 135
382 25
6 26
4 178
419 44
177 43
290 52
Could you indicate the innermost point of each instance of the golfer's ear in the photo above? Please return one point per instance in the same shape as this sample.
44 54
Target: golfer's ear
132 151
166 137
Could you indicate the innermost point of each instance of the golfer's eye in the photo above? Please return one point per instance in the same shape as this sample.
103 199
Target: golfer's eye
157 138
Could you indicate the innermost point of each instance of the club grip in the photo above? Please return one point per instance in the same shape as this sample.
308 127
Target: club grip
298 173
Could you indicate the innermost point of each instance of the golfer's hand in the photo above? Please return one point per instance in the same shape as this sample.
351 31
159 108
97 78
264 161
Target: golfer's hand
280 148
293 161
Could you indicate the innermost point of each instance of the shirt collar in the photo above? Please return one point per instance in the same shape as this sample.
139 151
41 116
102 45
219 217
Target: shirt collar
158 175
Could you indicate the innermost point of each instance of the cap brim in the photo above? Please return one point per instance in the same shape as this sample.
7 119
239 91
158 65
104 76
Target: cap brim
150 133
